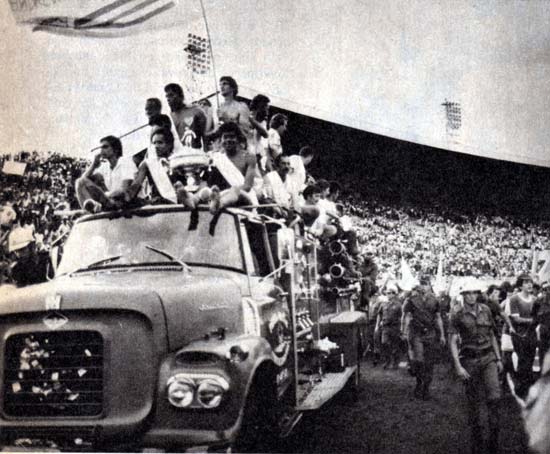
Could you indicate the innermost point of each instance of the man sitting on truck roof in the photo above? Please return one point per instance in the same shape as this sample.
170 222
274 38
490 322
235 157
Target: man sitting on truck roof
155 168
104 183
230 182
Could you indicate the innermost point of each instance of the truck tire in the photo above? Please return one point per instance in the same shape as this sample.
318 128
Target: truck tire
258 429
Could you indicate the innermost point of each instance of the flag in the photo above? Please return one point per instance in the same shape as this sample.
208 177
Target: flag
440 284
407 281
99 18
14 168
543 265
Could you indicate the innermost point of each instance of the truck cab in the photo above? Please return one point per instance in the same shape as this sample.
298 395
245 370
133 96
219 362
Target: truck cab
167 328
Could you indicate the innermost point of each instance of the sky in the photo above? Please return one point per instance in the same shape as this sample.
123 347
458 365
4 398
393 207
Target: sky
387 67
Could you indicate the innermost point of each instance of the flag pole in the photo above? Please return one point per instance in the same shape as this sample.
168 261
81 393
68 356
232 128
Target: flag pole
124 135
211 53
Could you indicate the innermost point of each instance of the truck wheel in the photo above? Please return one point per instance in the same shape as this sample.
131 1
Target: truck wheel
257 430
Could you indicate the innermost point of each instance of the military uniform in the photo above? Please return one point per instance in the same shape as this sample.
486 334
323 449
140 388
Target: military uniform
390 319
475 326
422 337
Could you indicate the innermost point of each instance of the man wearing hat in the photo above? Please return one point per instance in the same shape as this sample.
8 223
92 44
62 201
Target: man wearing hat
478 363
422 326
387 323
31 266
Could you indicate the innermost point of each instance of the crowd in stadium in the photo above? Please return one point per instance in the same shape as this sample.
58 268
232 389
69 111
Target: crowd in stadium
481 246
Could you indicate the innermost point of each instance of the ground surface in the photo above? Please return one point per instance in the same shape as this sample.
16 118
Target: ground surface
385 419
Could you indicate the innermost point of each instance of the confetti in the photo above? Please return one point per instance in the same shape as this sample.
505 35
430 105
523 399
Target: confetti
55 376
82 372
16 387
73 397
88 352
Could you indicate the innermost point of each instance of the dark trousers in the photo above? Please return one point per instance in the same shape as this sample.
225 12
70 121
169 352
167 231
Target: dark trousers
483 385
544 344
390 343
423 350
526 349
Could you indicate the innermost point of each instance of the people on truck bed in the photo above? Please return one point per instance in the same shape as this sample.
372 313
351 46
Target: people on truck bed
189 121
103 185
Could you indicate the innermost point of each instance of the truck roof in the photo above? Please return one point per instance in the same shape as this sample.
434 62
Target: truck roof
149 210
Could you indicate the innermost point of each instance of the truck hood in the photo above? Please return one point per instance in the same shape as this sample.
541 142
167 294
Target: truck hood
190 306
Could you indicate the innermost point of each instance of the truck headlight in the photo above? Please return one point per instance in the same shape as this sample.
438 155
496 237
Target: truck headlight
180 391
210 393
188 390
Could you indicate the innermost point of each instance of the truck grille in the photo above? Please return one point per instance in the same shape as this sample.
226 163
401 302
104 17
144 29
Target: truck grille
54 374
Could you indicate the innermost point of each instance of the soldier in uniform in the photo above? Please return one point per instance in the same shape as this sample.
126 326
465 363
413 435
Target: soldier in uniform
422 325
478 363
387 323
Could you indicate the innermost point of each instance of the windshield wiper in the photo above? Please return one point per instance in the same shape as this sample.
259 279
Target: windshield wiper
97 263
169 257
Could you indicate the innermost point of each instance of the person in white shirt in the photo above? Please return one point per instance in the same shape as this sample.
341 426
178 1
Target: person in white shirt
277 127
298 164
105 182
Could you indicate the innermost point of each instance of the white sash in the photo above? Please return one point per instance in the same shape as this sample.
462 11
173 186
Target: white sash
231 174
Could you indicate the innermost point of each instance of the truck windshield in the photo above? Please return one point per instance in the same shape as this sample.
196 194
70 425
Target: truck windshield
128 237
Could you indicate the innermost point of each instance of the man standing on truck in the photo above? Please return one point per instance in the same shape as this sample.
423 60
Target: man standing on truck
188 120
422 325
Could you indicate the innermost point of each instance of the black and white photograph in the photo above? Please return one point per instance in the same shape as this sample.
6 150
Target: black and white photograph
258 226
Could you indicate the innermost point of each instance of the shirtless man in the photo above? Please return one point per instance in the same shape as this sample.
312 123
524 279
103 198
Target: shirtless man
231 110
226 193
189 121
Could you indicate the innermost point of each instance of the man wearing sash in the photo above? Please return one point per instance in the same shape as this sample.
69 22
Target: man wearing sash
155 167
235 174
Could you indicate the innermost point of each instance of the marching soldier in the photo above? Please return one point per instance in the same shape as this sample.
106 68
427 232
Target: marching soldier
478 363
421 325
387 322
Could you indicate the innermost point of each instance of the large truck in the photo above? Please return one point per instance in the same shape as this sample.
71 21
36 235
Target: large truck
168 329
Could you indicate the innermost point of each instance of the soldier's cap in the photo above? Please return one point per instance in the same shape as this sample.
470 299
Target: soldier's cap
470 285
19 238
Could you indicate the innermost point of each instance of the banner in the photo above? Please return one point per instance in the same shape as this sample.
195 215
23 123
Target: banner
14 168
99 18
